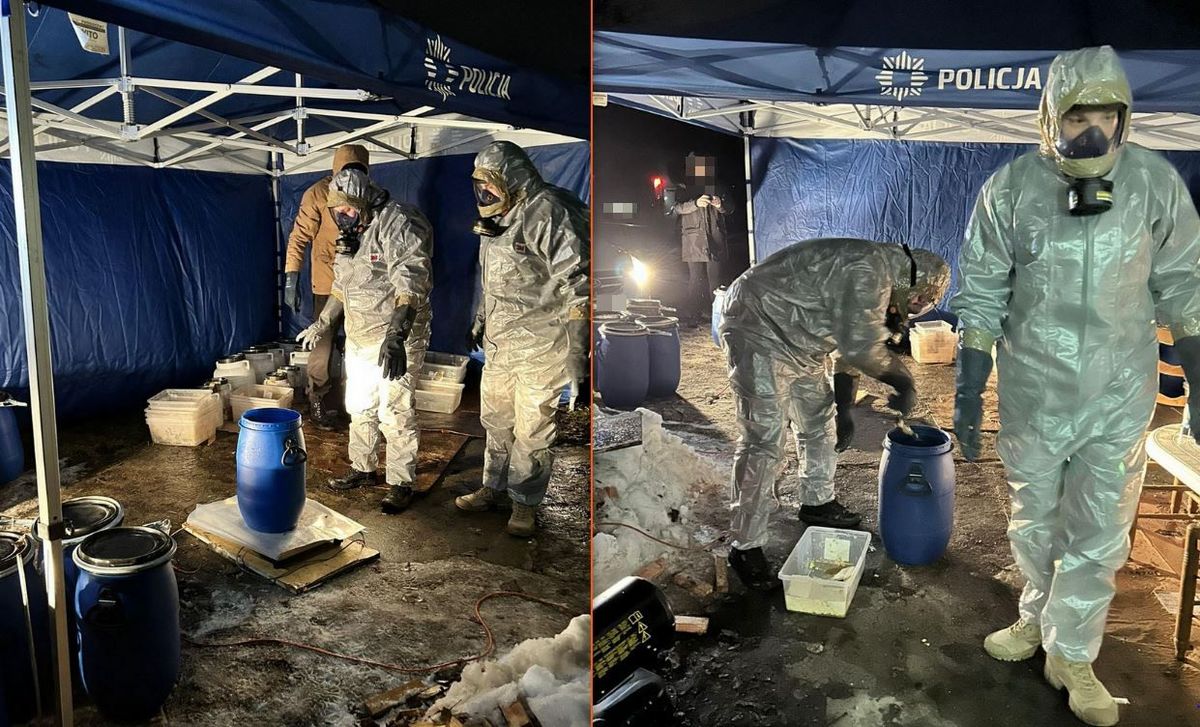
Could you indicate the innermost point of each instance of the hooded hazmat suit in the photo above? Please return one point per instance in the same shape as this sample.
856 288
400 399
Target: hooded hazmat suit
391 268
780 321
1072 302
534 314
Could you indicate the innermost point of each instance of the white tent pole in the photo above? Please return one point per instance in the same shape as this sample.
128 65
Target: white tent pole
276 163
36 312
749 197
125 85
300 114
208 100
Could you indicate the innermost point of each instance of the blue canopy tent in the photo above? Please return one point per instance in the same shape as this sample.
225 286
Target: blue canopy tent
182 136
873 121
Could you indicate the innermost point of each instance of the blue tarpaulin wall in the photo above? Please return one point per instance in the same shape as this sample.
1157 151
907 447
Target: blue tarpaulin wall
921 193
152 275
441 188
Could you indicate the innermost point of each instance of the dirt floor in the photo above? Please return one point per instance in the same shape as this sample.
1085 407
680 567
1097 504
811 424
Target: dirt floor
412 607
910 650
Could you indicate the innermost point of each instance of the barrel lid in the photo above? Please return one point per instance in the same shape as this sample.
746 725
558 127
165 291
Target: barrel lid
232 358
290 368
623 328
258 349
658 322
83 516
643 302
14 547
124 550
219 381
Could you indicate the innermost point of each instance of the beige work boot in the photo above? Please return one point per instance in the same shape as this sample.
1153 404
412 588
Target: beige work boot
485 498
1089 700
1014 643
522 522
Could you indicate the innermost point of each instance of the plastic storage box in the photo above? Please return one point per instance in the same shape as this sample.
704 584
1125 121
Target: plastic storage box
933 342
259 396
823 570
444 367
439 396
184 417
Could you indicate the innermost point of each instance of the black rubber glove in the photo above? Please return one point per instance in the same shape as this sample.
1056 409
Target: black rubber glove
475 337
291 291
845 391
392 356
974 368
1189 358
905 397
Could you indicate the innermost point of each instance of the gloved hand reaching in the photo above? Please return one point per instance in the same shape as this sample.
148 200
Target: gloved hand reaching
578 372
392 356
309 337
845 391
974 368
1188 350
905 397
291 291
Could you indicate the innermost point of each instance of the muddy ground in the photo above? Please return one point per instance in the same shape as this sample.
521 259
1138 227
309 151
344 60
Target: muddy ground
910 650
412 607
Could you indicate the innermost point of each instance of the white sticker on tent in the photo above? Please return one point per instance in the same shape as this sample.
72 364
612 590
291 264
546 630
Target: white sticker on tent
92 34
599 99
837 550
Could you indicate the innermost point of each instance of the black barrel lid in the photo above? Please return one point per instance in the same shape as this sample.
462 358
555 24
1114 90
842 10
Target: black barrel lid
124 548
258 349
85 515
13 547
232 358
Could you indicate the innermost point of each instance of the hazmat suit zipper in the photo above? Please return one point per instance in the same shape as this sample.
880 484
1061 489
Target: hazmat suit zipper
1088 262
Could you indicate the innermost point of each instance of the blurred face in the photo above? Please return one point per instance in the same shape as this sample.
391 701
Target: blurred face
345 210
1080 118
703 169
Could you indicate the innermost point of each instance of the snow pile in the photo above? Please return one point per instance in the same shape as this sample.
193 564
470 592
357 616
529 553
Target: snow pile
552 673
650 487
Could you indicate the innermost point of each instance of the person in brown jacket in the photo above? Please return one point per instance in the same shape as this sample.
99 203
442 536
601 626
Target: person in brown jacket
315 226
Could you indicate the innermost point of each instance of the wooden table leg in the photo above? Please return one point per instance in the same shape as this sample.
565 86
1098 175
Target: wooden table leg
1176 497
1187 590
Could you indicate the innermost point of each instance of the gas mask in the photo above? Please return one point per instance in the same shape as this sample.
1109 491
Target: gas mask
492 201
349 234
1089 154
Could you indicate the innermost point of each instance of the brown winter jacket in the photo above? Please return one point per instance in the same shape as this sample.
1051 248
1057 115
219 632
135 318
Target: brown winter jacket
314 225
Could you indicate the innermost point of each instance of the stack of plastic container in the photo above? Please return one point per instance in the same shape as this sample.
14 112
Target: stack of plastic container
933 342
440 385
184 417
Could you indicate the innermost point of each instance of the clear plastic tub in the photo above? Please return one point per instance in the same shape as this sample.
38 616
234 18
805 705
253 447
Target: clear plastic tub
822 572
933 342
182 429
438 396
259 396
182 400
444 367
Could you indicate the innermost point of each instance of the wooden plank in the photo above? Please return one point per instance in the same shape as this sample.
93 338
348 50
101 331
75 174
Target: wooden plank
721 577
691 625
299 574
652 570
377 704
438 450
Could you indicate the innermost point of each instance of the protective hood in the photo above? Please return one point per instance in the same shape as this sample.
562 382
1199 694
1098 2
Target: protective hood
350 154
506 166
932 279
354 188
1089 77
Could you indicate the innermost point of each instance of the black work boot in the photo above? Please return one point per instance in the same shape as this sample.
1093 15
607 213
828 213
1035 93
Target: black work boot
752 567
320 416
398 499
832 514
353 480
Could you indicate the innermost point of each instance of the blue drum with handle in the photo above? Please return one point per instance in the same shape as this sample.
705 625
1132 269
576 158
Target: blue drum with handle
24 635
624 364
916 495
271 469
664 355
126 606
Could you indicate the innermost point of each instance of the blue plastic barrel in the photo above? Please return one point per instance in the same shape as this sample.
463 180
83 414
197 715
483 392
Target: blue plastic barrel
271 469
16 670
127 619
599 318
916 495
664 355
718 303
12 452
624 364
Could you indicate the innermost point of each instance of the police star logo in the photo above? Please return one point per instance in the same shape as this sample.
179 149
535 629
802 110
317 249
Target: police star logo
439 74
902 76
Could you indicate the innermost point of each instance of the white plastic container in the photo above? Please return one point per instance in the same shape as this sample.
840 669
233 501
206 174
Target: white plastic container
279 352
180 429
183 400
808 574
933 342
439 396
262 360
259 397
300 359
236 369
444 367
